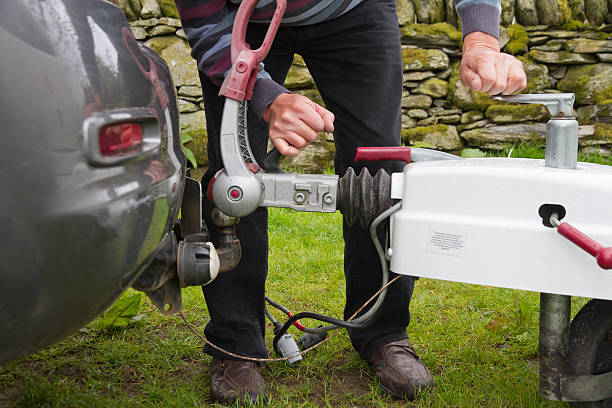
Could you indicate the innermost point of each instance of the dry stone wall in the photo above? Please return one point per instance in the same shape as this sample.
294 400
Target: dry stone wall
565 46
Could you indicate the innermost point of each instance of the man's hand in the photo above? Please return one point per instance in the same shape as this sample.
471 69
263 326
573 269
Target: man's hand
294 121
484 68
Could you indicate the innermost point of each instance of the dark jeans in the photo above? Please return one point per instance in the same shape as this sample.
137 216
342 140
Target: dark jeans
356 63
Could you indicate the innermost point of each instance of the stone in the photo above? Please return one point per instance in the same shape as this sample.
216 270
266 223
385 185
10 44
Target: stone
135 5
408 122
424 59
177 54
605 57
451 14
140 33
600 113
584 45
587 82
440 137
596 11
562 57
441 103
558 71
191 91
517 113
428 122
431 35
445 74
150 22
595 151
552 45
553 12
601 135
181 34
578 11
410 85
498 137
174 22
439 111
536 28
471 116
316 158
507 14
526 13
556 33
537 75
161 30
417 113
187 107
168 8
416 102
194 125
405 12
430 11
434 87
298 77
537 40
473 125
450 119
130 13
150 9
418 76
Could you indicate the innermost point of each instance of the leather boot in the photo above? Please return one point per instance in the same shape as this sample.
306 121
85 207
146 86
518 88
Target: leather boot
236 380
399 370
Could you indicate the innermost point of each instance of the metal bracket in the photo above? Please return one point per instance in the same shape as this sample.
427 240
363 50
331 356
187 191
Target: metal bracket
301 192
586 387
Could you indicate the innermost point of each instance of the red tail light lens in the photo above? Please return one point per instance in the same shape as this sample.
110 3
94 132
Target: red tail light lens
121 138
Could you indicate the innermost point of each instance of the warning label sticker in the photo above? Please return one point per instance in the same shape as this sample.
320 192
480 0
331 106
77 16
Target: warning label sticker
446 243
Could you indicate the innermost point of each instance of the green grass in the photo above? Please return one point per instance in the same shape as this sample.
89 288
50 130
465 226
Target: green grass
481 343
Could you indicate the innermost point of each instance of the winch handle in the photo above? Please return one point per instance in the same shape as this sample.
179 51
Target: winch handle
602 255
239 81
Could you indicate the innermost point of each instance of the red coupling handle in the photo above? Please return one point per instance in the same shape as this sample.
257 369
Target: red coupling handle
603 255
383 153
239 81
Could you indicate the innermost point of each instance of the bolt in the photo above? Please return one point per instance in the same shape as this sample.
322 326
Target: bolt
241 67
328 198
234 193
299 197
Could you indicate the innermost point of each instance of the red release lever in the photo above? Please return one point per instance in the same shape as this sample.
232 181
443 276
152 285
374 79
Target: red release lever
239 81
383 153
603 255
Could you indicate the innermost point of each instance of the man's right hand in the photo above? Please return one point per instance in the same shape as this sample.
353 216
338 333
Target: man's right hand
294 121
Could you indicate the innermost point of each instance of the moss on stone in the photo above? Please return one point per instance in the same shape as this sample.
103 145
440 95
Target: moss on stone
517 113
418 133
518 40
576 82
197 144
168 8
158 44
604 96
574 25
603 131
436 29
565 11
418 59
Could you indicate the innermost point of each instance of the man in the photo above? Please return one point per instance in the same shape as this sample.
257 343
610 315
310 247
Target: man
352 49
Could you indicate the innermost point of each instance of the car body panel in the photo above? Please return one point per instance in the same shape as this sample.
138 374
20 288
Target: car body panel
76 232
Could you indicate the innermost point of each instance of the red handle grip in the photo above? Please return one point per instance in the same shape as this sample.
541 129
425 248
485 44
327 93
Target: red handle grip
238 83
383 153
240 25
603 255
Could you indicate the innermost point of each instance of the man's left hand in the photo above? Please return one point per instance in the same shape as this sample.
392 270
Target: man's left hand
484 68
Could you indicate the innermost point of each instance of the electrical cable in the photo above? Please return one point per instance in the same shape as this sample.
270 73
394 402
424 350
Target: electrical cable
264 360
367 318
288 313
361 322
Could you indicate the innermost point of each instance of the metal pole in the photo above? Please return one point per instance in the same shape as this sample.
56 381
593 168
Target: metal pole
554 342
561 153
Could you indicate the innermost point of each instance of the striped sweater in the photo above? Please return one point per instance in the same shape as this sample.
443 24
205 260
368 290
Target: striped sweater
208 26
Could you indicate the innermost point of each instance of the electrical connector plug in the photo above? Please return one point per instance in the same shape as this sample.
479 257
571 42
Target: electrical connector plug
308 340
288 348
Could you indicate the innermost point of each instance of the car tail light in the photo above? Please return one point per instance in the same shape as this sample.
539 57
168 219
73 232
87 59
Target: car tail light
120 138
